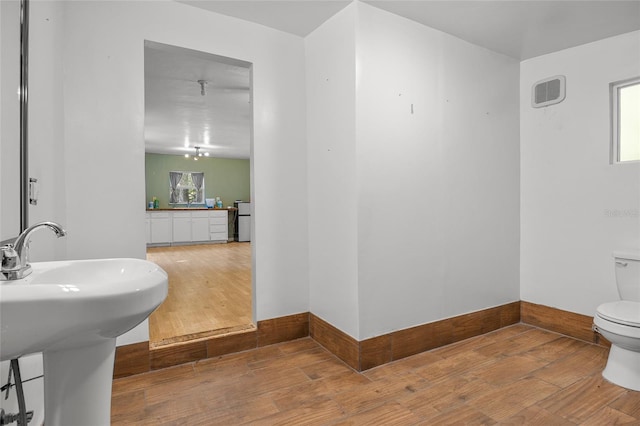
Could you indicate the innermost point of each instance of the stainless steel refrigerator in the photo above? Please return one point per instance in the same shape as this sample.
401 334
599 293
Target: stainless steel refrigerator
243 221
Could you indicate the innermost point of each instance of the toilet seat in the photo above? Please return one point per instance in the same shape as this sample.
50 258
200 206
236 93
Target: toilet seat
622 312
624 332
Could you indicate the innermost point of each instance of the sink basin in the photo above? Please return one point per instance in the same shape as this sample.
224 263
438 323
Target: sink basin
72 303
72 311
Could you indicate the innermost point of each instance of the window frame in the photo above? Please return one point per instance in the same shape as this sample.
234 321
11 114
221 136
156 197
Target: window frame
183 203
614 90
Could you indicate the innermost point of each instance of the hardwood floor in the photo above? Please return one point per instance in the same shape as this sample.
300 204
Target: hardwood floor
209 292
516 375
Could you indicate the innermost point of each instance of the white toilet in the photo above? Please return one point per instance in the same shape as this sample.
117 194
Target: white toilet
619 323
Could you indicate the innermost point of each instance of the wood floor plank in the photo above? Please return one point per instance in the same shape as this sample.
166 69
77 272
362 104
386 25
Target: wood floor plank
510 399
608 416
465 415
580 364
454 365
436 399
557 348
520 343
390 413
583 399
508 370
536 416
320 414
628 403
209 292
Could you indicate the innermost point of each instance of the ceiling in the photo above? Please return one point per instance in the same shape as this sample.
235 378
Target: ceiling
196 99
178 115
521 29
298 17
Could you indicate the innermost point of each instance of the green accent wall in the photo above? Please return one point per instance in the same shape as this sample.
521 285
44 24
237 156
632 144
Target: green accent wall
223 177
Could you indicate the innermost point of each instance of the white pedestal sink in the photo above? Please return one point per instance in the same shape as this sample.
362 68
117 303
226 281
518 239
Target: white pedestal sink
72 312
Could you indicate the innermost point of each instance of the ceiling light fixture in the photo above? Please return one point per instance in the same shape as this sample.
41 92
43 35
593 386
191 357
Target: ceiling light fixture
198 153
203 84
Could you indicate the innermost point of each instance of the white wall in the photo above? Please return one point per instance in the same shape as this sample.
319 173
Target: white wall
103 161
450 246
576 207
46 127
330 74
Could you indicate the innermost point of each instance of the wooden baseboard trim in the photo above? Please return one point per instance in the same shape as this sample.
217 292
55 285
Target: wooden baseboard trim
403 343
335 341
564 322
139 358
359 355
131 359
389 347
283 329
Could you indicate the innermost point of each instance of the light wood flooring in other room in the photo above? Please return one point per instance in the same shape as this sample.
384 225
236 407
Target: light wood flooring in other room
209 292
519 375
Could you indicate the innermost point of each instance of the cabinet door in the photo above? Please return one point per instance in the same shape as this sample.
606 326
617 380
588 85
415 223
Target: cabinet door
200 228
160 230
181 227
147 226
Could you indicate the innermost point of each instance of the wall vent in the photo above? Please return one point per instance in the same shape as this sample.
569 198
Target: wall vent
548 91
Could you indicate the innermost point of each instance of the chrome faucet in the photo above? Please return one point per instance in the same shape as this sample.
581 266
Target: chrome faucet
15 257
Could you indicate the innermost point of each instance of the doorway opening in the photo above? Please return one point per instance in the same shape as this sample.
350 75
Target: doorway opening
198 127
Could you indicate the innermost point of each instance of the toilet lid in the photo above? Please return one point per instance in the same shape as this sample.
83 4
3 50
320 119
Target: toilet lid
622 312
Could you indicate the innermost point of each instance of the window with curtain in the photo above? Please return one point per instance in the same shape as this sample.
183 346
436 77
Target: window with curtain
186 188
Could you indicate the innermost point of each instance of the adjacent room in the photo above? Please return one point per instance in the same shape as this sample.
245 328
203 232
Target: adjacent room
197 128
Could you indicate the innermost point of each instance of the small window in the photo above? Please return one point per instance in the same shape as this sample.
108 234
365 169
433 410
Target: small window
186 188
625 121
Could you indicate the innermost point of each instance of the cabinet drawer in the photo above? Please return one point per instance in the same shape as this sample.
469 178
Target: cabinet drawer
218 213
219 236
159 215
218 228
200 214
218 220
182 215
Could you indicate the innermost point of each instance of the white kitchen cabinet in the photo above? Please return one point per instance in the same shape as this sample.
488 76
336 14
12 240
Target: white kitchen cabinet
219 225
181 227
184 227
147 226
200 226
160 228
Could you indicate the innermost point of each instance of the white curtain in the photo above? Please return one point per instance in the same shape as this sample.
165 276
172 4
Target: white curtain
198 181
174 180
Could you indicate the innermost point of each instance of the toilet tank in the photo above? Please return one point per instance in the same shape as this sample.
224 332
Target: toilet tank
627 264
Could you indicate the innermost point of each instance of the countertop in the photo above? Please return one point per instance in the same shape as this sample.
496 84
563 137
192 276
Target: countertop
190 208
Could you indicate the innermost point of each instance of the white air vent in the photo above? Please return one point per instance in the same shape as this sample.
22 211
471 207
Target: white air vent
548 91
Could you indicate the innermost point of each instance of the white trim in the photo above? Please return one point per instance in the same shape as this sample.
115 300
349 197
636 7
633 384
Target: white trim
614 106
